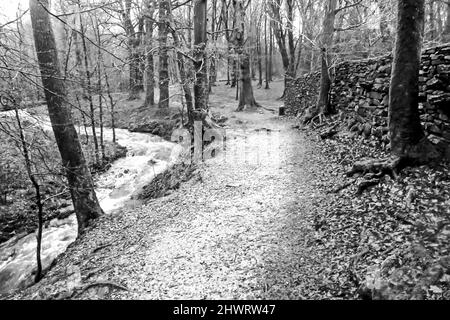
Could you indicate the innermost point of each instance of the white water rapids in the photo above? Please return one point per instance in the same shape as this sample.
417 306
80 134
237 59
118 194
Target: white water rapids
147 156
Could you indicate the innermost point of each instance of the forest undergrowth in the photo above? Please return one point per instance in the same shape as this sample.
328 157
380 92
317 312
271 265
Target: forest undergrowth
390 240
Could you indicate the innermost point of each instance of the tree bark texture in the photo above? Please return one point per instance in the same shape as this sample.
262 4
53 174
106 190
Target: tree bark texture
163 57
323 102
246 97
407 136
200 39
149 67
77 172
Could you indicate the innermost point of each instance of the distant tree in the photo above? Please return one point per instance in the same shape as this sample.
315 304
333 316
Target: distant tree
89 96
325 45
287 51
185 83
134 44
77 172
215 24
163 104
200 39
149 68
386 37
266 55
323 103
246 97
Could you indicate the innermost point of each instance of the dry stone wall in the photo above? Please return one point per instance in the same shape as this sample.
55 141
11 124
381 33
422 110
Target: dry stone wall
361 90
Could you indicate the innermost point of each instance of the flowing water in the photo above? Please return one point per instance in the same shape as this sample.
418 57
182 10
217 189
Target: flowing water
147 156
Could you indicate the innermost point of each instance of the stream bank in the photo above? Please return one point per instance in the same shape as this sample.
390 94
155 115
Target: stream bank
147 156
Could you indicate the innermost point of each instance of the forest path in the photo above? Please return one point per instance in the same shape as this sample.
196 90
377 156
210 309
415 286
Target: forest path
242 231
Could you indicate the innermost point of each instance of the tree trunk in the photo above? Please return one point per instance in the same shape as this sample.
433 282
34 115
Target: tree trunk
323 103
80 181
200 85
134 41
270 51
439 24
280 37
89 89
290 75
431 21
228 72
231 71
246 98
37 191
212 66
446 32
112 104
408 140
259 54
163 58
266 54
234 71
183 77
100 88
149 68
287 52
136 74
384 26
189 23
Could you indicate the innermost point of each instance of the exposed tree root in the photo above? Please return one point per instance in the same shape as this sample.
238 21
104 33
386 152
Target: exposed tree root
379 167
283 95
374 170
330 132
253 105
312 114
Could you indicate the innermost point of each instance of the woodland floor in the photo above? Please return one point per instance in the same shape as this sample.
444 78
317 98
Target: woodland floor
250 224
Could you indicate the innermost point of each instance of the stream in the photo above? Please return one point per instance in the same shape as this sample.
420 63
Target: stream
147 156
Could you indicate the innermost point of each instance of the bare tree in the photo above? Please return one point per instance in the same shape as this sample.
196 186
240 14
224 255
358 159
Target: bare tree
323 106
323 103
287 51
134 42
149 68
89 86
246 97
77 172
185 85
37 190
200 85
266 55
163 104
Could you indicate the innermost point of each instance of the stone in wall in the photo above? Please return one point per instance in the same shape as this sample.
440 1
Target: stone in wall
360 90
302 93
